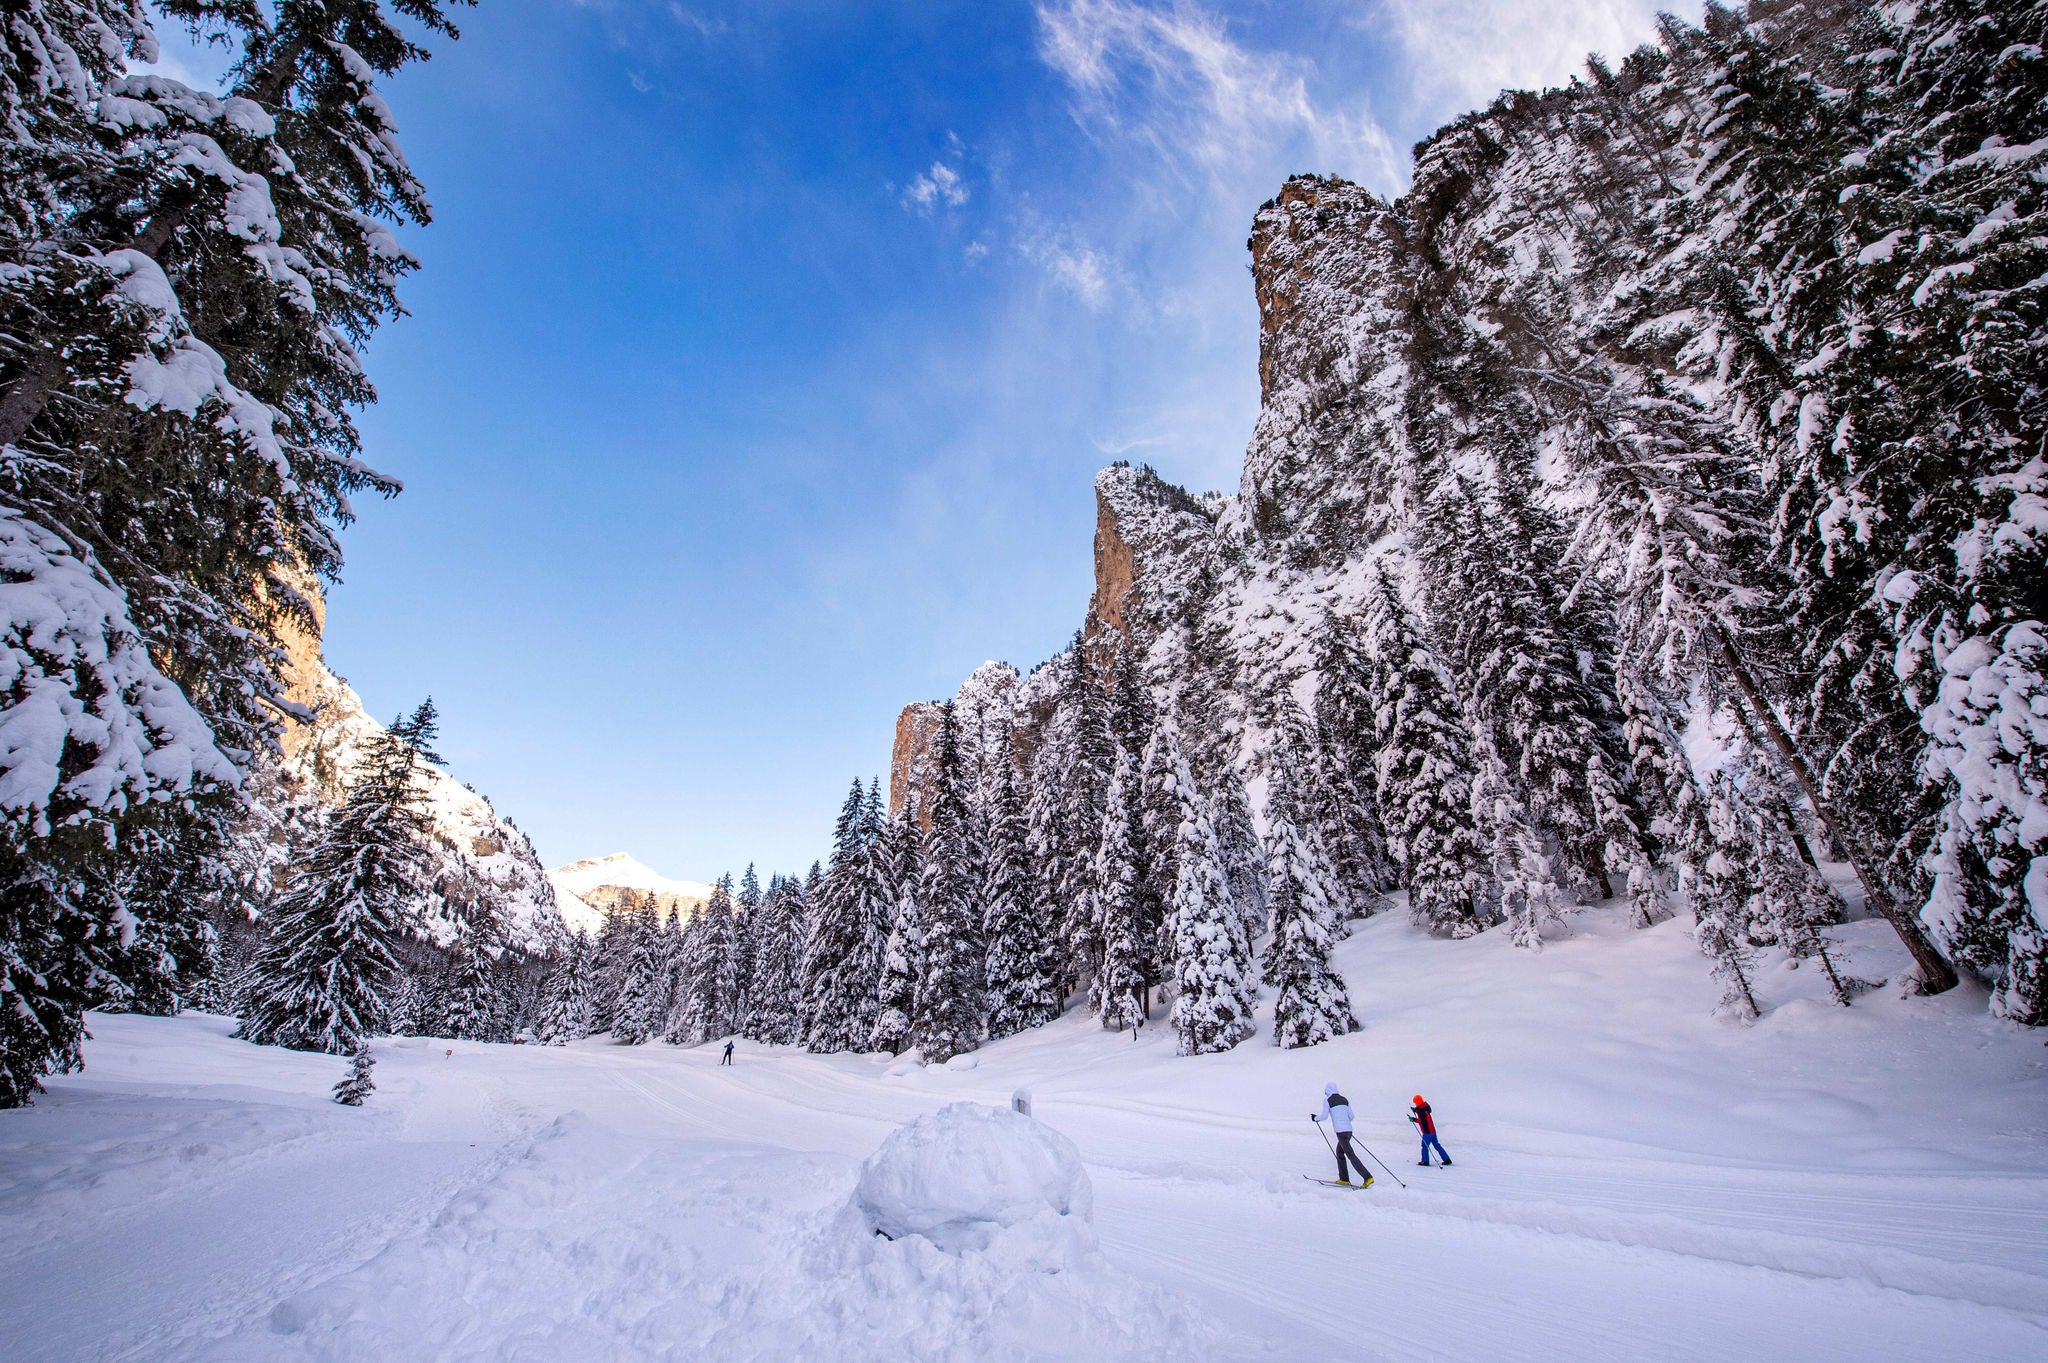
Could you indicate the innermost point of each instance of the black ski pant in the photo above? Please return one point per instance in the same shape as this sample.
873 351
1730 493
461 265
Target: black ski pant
1344 1153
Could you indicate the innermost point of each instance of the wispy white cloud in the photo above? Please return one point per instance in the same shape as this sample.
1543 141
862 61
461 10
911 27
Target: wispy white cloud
1071 264
689 18
939 187
1460 53
1173 75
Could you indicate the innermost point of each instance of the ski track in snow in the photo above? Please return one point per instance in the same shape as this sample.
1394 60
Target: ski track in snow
1635 1180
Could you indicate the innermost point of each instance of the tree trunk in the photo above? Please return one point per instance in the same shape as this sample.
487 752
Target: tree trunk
25 399
1936 974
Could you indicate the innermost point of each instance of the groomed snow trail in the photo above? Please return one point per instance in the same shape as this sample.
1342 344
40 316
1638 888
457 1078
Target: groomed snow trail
1634 1180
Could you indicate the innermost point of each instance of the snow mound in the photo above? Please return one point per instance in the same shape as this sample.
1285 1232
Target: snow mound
966 1174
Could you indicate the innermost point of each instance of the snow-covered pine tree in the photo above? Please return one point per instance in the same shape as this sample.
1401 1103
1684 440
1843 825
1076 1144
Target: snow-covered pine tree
685 1024
1023 977
1880 344
565 1003
894 1031
642 1009
903 954
1424 770
1795 903
746 906
356 1085
185 276
610 955
1244 853
1313 1004
802 896
410 1010
1069 782
1341 795
772 1006
1672 514
849 927
1157 833
1495 590
951 1001
324 978
722 943
1722 895
473 1009
1946 211
1527 893
1211 953
1120 986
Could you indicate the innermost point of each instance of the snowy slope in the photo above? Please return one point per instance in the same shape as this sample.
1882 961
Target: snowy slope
1634 1180
622 870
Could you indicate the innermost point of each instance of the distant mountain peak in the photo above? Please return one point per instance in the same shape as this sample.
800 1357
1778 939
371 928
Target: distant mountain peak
587 888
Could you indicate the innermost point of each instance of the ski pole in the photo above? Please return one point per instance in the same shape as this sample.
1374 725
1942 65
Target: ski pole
1361 1145
1380 1162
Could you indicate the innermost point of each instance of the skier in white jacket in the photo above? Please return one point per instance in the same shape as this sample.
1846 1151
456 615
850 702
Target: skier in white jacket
1339 1109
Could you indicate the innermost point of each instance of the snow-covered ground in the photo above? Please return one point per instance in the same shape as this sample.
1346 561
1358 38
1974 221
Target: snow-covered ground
1635 1180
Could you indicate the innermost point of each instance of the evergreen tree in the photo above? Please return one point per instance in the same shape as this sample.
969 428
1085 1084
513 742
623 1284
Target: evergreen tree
1313 1004
1069 783
1211 953
325 977
746 918
1023 980
565 1007
849 928
1120 982
1526 889
689 973
903 955
722 947
1243 853
1721 887
185 278
473 1008
951 1006
1157 833
1424 770
1342 795
1673 513
610 955
773 1013
642 1009
356 1085
410 1012
1495 589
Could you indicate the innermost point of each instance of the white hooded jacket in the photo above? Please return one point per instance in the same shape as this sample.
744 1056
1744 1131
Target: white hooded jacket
1340 1110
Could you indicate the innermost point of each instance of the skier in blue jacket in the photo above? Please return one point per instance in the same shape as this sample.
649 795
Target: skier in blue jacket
1339 1109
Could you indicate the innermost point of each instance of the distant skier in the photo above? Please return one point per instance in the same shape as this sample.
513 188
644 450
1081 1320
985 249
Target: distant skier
1339 1108
726 1059
1419 1114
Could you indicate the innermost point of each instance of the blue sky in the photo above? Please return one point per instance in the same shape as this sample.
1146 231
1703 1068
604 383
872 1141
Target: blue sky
765 350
